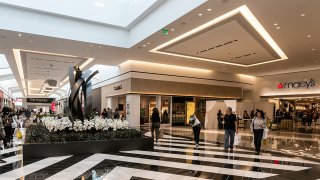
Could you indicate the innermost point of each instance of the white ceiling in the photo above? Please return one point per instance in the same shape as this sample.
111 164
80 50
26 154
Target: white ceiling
291 38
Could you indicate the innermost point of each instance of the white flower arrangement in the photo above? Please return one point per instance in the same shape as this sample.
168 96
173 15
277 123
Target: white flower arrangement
97 123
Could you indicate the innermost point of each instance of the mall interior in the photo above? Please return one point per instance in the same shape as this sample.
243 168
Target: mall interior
114 89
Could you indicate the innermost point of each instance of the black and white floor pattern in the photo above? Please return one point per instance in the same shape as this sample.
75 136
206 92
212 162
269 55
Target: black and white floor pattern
173 158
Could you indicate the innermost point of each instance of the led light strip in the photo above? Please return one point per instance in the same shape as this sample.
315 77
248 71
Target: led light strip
17 56
166 66
248 15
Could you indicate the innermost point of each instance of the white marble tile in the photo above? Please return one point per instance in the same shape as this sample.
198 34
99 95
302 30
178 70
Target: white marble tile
78 168
125 173
12 159
28 169
192 146
210 169
185 141
237 155
9 150
220 160
165 136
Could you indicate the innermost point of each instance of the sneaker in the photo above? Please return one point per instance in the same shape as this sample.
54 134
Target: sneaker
256 153
231 150
225 150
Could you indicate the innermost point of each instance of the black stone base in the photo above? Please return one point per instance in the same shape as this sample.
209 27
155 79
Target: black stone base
34 151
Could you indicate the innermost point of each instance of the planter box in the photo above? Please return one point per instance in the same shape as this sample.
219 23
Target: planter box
34 151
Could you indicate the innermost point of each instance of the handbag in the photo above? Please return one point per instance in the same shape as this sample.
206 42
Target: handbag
2 134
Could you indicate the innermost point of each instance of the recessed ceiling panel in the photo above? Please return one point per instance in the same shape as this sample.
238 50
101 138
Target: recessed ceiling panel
235 38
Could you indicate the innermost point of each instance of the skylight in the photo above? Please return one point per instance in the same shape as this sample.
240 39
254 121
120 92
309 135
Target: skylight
113 12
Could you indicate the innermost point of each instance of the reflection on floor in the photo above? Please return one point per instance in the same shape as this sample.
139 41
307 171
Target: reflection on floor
173 158
292 143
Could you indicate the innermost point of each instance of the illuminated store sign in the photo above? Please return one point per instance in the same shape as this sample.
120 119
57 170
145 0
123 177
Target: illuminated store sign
297 85
40 100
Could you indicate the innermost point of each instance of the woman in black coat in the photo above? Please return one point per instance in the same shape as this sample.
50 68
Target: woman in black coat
155 123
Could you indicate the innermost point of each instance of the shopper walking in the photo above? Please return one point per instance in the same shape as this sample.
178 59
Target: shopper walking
7 122
257 127
230 127
116 114
220 119
109 113
197 122
155 123
2 137
104 113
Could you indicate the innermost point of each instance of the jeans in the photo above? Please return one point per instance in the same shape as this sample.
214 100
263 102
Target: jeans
196 133
229 135
258 134
155 127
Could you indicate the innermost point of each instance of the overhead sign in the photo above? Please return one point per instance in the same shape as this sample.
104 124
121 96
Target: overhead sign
297 85
40 100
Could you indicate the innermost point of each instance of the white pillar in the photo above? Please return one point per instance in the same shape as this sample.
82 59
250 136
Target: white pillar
158 103
133 110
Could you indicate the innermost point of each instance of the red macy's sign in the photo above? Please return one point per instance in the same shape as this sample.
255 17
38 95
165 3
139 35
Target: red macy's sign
297 85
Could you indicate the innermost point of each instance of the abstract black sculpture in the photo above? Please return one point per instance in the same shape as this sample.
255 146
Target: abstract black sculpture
81 93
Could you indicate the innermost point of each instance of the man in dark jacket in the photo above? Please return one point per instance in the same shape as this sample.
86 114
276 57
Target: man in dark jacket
230 127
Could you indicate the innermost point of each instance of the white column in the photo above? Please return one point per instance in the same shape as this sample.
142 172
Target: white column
158 103
133 110
170 110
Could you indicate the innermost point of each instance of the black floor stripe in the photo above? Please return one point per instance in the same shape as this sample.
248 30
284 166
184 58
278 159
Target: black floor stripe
55 168
10 167
107 166
222 164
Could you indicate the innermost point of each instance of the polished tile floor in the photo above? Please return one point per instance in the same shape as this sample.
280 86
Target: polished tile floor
174 157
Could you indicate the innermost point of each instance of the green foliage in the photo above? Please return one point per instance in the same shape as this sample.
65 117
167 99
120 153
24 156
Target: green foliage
37 133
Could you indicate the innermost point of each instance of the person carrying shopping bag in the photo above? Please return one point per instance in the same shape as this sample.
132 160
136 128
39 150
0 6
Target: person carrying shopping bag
257 127
197 121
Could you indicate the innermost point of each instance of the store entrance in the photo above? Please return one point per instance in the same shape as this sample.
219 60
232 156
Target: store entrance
295 112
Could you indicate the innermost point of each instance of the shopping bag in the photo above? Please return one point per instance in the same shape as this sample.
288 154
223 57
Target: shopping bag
19 134
265 133
252 142
237 139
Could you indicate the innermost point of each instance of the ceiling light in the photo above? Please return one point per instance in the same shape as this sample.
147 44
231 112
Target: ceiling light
19 34
209 9
30 41
303 14
276 24
148 43
313 49
200 14
144 45
278 27
99 4
309 36
172 29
